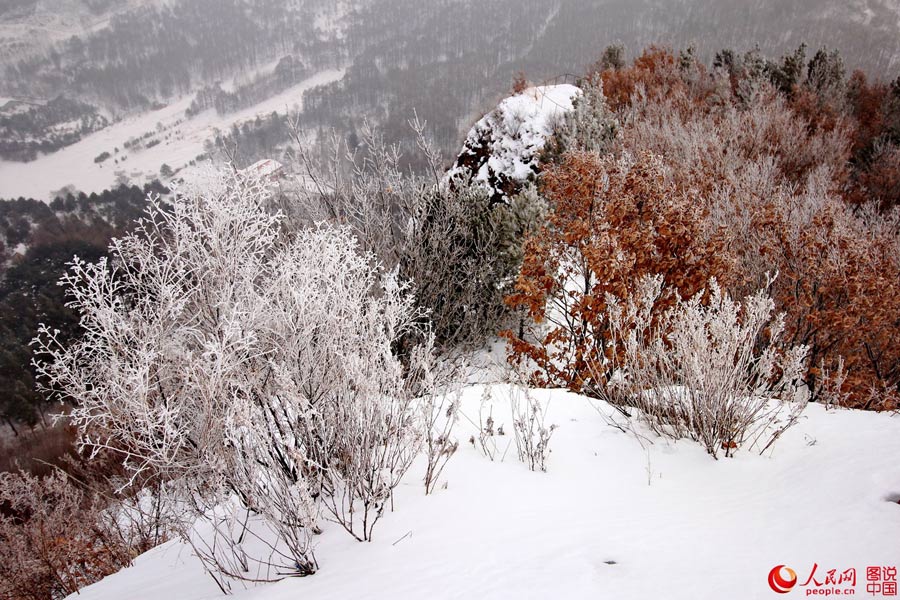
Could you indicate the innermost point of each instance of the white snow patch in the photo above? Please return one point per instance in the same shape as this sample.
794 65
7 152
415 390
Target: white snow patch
610 519
266 167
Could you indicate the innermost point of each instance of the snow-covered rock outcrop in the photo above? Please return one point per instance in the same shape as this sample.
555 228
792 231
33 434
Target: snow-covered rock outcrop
502 149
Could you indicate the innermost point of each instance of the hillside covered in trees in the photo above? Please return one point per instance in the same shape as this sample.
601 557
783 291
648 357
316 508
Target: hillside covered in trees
445 59
704 252
38 241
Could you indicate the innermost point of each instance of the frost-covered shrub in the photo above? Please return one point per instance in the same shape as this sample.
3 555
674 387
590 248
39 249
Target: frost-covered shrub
489 430
439 413
795 170
590 126
611 222
463 254
530 429
254 367
54 538
457 247
709 369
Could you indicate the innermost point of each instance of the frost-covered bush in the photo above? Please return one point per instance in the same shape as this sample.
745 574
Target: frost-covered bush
611 221
708 369
54 538
254 367
530 429
457 247
463 261
591 126
440 413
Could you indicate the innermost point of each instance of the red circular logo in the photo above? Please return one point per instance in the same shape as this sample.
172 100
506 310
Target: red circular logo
782 579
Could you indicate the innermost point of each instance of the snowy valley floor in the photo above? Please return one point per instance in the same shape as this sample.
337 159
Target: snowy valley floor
181 140
610 519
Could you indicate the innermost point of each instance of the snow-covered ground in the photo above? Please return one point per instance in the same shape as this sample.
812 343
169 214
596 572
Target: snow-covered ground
611 518
180 141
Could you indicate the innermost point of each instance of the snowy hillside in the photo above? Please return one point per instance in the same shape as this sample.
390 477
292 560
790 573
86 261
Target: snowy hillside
274 369
502 149
172 139
611 518
28 27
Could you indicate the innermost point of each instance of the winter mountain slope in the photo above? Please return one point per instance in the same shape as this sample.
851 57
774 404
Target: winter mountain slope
29 26
609 519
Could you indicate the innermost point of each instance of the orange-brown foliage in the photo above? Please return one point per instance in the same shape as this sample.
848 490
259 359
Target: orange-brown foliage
876 156
520 83
818 114
867 106
53 540
656 70
879 181
785 178
610 223
839 285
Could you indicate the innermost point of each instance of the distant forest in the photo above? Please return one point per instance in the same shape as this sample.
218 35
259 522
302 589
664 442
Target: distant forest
446 60
37 240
